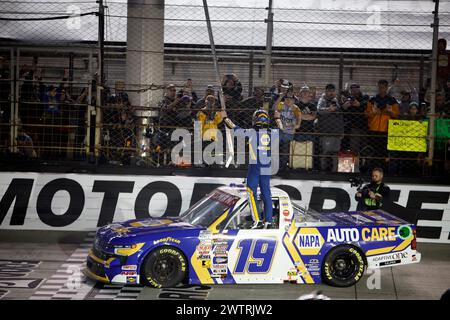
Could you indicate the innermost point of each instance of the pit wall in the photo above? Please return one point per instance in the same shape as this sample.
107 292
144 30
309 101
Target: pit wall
78 202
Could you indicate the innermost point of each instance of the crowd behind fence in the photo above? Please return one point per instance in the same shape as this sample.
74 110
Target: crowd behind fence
346 105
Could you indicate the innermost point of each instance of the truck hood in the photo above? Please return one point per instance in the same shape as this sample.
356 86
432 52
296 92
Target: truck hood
132 229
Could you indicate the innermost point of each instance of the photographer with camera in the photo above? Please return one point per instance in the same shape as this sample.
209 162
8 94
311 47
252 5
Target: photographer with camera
372 195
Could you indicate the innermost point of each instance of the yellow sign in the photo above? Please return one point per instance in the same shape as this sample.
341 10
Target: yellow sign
407 135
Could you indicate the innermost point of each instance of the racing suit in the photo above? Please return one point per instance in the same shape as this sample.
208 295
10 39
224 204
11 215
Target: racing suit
259 169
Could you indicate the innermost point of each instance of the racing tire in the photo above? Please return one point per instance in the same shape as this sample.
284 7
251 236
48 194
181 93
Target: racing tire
164 267
343 266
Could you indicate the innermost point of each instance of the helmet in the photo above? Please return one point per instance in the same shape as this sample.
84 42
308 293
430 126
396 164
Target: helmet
260 118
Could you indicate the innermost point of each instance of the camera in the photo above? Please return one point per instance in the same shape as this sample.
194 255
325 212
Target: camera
358 183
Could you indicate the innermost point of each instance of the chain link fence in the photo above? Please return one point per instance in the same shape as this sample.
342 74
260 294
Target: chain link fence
110 82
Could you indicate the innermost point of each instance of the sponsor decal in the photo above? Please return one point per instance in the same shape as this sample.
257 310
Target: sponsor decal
204 247
309 241
119 229
129 267
343 235
378 234
404 232
366 234
315 273
286 213
206 263
205 234
219 271
220 260
128 273
313 260
393 256
224 198
131 279
388 263
167 239
313 267
204 257
221 243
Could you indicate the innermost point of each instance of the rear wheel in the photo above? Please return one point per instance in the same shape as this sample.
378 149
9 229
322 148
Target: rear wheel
343 266
164 267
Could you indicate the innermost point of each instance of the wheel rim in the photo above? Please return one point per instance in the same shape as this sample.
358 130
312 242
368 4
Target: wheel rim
163 268
344 266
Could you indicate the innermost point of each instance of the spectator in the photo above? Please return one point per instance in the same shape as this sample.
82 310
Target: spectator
353 106
331 127
443 71
380 109
404 102
281 86
309 116
442 107
232 87
250 105
210 118
209 91
313 93
167 119
307 129
119 97
25 144
188 90
290 116
184 112
413 113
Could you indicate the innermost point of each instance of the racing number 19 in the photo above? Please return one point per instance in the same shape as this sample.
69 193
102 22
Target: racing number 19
255 256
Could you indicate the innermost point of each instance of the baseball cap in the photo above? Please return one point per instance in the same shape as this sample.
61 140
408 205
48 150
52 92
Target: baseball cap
304 88
170 86
413 103
285 84
354 86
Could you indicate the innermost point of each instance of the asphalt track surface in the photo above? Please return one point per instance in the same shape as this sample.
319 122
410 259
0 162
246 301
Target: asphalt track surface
40 265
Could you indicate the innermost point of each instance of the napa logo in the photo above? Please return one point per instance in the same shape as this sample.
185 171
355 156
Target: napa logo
309 241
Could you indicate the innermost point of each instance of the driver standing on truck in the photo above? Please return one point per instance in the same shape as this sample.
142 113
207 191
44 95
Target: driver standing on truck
259 169
372 195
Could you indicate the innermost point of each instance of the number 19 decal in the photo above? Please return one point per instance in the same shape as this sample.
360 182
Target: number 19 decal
255 256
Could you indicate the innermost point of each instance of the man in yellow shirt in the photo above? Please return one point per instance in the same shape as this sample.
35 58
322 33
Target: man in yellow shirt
209 118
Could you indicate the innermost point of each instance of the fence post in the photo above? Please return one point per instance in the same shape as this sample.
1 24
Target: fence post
251 63
269 37
12 99
434 61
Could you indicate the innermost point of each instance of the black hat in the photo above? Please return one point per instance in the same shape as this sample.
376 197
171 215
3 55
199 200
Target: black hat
330 86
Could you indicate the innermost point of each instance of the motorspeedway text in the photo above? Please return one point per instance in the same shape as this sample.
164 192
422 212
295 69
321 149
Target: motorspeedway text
226 309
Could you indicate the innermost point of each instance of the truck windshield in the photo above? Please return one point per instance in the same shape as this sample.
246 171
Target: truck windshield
209 208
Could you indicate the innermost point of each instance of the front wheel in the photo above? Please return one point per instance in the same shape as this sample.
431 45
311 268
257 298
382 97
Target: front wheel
164 267
343 266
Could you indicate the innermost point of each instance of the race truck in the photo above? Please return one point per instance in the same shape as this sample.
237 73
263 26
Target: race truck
213 243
